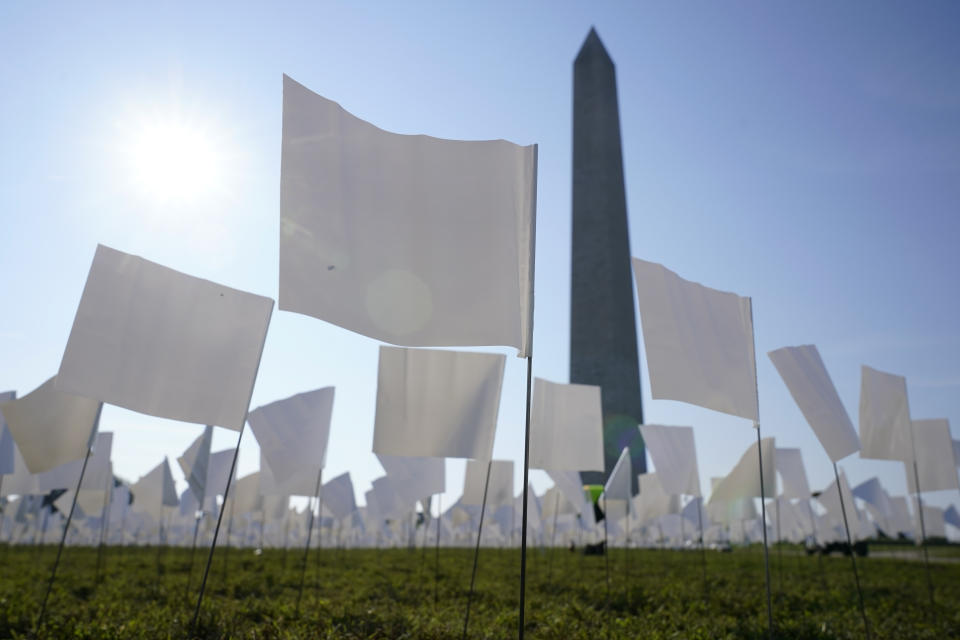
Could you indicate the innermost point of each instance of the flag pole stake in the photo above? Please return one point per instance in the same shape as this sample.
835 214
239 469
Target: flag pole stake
306 549
216 532
316 592
476 552
526 483
763 523
436 569
853 555
63 539
703 551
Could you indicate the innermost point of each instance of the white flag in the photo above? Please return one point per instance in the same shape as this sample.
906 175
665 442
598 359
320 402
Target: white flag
160 342
338 496
434 403
303 482
935 464
293 432
806 377
743 481
96 476
699 342
50 427
674 454
618 484
195 462
154 491
414 478
793 475
500 490
884 416
413 240
566 427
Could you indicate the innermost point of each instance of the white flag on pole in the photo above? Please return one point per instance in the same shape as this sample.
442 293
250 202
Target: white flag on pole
674 455
806 377
566 427
935 464
409 239
414 478
154 491
303 482
436 403
160 342
96 476
195 462
50 427
618 484
699 342
293 432
743 481
500 490
793 474
338 496
884 416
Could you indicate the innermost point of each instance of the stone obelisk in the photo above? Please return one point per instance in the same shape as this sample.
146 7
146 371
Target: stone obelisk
603 333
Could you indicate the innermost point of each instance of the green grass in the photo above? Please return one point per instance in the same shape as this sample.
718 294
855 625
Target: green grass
390 594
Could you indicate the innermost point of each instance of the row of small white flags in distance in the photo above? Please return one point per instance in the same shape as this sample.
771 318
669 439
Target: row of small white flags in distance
153 340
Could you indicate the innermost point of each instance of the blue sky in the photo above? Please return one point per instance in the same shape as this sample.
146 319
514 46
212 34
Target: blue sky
804 154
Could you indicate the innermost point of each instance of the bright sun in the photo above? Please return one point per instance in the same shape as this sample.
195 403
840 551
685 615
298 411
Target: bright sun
172 161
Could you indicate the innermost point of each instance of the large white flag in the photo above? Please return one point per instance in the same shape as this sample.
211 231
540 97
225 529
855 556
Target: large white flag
806 377
293 432
936 467
96 476
884 416
566 427
160 342
303 482
413 240
436 403
699 342
415 478
674 454
50 427
338 496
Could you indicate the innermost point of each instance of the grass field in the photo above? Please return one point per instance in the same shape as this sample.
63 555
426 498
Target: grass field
390 594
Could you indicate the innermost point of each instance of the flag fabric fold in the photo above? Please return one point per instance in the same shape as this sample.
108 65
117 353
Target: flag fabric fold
566 427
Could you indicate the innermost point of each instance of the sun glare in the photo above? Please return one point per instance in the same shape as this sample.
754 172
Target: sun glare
173 162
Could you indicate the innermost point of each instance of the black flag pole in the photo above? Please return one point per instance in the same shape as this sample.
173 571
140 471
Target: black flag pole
216 531
63 539
316 592
526 480
853 555
436 568
306 549
476 552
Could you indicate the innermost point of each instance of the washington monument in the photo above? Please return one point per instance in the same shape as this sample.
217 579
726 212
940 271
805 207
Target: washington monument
603 334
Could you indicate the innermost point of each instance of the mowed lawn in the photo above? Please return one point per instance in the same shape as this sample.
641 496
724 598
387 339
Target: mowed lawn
393 594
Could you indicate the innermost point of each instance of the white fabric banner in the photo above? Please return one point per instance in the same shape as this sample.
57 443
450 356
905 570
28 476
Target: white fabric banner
936 466
409 239
806 377
830 498
303 482
160 342
96 476
566 427
218 473
50 427
293 432
674 455
618 484
884 416
743 481
793 474
873 493
338 496
500 490
414 478
154 491
439 404
699 342
245 495
195 462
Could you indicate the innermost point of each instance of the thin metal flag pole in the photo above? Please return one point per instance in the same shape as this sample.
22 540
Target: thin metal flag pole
436 569
763 497
526 480
216 531
316 592
923 529
476 552
853 555
763 525
306 549
197 516
703 551
553 535
63 538
104 524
